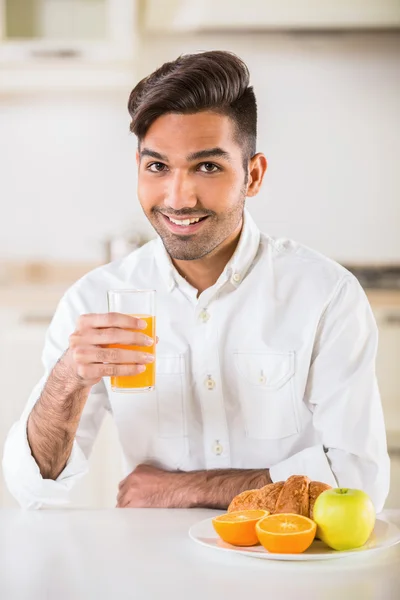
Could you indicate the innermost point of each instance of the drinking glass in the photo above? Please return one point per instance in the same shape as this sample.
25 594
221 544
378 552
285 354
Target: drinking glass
139 304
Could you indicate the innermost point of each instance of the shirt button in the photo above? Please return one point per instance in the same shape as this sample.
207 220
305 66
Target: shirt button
204 315
218 448
236 277
210 383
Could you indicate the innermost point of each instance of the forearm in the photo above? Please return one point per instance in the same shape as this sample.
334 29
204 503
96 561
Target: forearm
54 420
216 488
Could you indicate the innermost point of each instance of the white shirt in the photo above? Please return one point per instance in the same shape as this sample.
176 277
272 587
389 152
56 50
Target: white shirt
271 367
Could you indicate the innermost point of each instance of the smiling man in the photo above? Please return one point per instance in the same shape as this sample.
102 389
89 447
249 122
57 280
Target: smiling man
266 353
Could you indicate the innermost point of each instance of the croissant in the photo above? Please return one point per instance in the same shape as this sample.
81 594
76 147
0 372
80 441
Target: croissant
295 495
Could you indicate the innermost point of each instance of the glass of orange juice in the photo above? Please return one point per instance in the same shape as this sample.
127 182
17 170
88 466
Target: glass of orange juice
139 304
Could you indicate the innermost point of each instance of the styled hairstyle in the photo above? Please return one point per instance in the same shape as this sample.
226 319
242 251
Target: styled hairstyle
214 80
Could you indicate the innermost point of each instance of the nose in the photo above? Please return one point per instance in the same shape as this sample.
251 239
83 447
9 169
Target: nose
180 192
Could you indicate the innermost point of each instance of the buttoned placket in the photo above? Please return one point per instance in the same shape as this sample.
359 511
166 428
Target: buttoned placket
205 359
206 366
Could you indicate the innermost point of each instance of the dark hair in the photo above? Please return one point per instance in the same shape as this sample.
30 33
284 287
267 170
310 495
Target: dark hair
215 80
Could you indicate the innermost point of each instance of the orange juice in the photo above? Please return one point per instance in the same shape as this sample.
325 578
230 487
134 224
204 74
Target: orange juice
147 379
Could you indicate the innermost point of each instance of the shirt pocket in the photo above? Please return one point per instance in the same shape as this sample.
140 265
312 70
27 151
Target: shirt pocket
170 391
266 393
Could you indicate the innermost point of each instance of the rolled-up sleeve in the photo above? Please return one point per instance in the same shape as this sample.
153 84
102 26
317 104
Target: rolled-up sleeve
343 395
21 472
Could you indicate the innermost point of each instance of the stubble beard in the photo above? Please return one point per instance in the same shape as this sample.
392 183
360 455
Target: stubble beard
196 246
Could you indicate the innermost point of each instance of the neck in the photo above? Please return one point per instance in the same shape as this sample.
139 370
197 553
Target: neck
204 272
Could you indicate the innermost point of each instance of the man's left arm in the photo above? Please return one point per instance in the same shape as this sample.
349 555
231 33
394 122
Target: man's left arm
149 487
342 392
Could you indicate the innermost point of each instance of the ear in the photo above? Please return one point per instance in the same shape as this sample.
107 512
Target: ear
257 167
137 157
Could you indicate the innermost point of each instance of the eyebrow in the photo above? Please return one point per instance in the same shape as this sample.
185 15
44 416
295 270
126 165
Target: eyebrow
201 154
208 153
152 154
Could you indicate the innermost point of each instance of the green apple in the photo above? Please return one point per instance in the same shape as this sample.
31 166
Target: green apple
345 518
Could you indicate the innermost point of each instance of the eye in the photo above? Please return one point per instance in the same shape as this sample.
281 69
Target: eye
209 167
156 167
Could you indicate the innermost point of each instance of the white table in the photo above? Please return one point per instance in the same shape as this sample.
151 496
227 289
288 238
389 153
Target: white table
147 554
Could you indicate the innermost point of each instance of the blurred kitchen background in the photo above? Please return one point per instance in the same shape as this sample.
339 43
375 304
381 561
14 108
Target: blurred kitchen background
327 78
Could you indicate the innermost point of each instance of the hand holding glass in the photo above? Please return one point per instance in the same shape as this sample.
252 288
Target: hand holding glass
139 304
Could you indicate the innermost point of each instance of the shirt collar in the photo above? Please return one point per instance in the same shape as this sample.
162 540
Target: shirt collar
235 270
245 252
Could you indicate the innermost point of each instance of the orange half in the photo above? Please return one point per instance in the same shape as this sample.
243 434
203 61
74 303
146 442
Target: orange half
286 533
239 528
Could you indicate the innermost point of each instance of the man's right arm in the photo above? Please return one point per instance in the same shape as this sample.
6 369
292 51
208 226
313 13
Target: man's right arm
64 412
54 419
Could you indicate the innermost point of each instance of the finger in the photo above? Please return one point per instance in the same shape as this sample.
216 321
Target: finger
122 483
130 503
124 488
96 371
108 336
123 501
95 354
95 320
113 335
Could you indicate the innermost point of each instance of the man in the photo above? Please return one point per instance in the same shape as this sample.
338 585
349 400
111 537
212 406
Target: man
266 353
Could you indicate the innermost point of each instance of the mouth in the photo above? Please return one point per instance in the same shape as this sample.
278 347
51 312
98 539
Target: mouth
185 226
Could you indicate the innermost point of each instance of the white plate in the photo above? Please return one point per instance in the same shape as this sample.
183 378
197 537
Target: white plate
384 535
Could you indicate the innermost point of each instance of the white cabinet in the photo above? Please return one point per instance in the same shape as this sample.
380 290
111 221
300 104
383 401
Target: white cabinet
93 30
67 44
388 372
236 15
388 364
20 369
393 500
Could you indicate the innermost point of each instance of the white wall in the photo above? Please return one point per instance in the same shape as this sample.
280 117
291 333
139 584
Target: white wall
329 125
67 175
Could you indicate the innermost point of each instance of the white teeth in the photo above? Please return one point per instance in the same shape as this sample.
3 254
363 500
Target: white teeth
184 222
